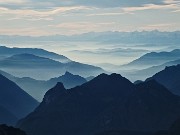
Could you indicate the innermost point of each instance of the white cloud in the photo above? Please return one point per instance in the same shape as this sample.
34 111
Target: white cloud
24 31
79 16
95 3
13 1
30 12
150 7
82 27
109 14
171 1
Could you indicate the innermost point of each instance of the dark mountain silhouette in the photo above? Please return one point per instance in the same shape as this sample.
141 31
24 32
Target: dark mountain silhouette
151 107
8 52
7 117
14 99
123 132
170 78
108 102
6 130
176 125
153 59
44 68
173 130
85 106
37 88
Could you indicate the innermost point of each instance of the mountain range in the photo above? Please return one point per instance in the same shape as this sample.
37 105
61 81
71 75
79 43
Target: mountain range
41 68
77 103
15 103
108 102
146 73
153 59
37 88
108 37
149 64
170 78
7 52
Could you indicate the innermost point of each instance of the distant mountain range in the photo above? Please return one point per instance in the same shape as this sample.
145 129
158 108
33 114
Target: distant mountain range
149 64
145 73
107 102
170 78
147 37
8 52
41 68
69 80
153 59
15 103
37 88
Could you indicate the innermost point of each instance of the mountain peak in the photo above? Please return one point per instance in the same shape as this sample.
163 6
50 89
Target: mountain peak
54 93
114 76
153 83
176 51
68 74
169 77
155 88
59 85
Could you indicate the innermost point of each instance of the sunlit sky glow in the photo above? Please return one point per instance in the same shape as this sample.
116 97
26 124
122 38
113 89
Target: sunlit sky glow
66 17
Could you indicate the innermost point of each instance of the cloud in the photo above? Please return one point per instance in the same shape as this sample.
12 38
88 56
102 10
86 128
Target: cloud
24 32
83 27
79 16
175 11
171 1
92 3
109 14
30 14
49 7
149 7
13 1
117 3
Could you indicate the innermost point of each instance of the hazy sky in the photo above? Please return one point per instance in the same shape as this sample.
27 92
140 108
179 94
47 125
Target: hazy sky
49 17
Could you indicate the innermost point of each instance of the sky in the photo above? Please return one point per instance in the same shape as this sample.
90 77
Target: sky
67 17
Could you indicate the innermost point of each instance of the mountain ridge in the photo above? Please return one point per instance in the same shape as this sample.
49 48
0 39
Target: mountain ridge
75 112
35 66
169 77
7 51
14 99
37 88
155 58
